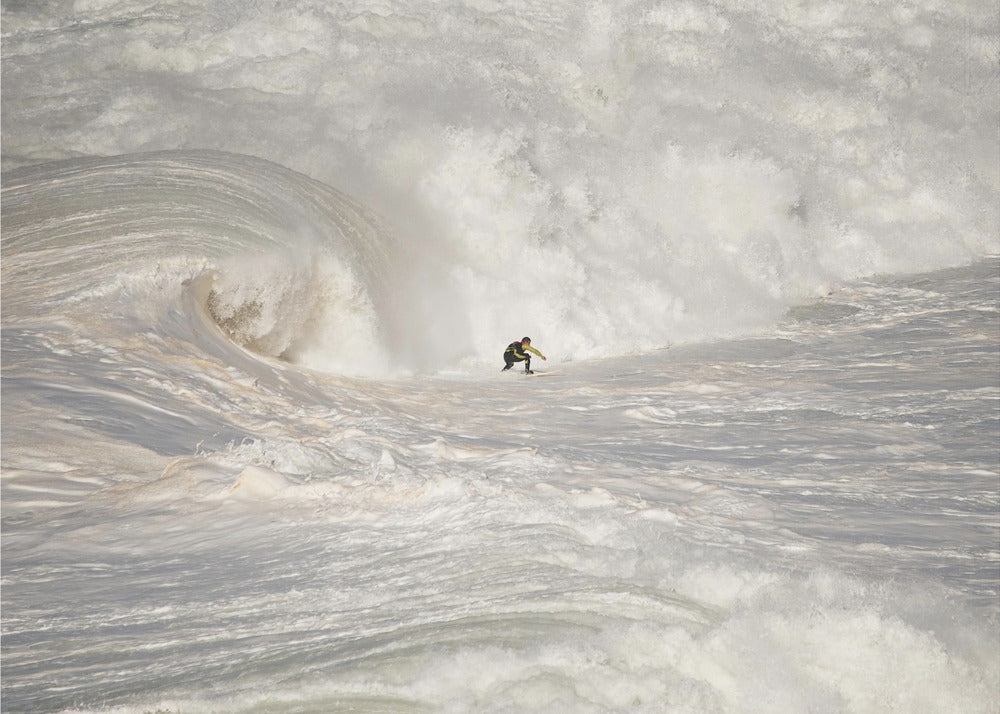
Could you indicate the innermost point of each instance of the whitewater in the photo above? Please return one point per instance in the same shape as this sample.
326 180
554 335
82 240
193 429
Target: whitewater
260 261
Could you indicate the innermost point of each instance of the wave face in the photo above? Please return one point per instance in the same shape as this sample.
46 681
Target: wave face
284 265
609 179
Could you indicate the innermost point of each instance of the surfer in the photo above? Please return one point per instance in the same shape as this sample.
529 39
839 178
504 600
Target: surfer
518 352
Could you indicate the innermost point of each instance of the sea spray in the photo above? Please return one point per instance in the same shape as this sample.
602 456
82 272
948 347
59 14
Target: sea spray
615 178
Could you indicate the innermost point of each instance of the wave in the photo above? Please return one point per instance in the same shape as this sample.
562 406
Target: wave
281 264
293 269
607 182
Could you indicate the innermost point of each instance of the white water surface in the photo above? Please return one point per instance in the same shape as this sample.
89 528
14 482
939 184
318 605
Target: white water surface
260 261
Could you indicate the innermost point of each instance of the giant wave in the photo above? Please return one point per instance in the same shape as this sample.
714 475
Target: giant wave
615 179
293 269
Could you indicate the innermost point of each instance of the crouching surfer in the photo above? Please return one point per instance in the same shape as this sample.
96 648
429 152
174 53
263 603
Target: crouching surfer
518 352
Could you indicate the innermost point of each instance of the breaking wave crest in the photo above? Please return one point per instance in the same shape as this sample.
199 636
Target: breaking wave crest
293 269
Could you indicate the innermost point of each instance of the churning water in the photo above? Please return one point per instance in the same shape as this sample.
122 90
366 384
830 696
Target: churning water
260 261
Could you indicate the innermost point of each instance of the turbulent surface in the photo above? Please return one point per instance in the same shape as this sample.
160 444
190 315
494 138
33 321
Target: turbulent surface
807 519
257 451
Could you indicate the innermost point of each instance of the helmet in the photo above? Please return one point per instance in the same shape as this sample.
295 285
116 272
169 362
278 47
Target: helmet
525 339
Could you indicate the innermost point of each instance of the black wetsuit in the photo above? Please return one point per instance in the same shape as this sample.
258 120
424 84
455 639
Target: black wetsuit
518 352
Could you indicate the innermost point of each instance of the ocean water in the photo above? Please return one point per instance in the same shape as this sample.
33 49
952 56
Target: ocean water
260 261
